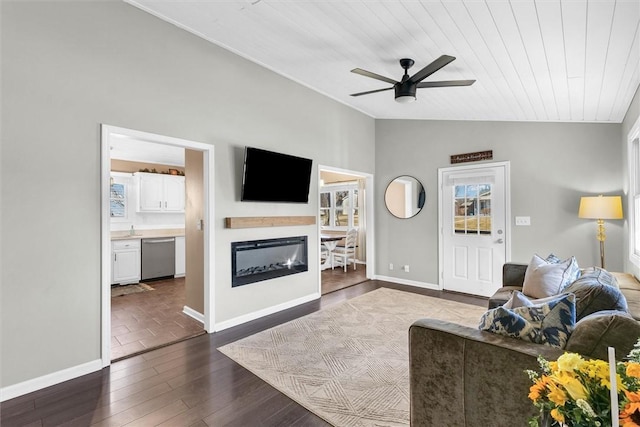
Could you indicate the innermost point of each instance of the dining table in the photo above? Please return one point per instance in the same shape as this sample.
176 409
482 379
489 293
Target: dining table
330 241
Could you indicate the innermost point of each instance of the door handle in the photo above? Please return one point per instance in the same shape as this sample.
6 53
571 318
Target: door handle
500 241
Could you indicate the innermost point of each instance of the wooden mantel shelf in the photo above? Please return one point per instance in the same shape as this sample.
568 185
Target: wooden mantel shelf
267 221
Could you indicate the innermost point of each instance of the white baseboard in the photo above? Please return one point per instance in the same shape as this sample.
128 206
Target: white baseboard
196 315
48 380
265 312
408 282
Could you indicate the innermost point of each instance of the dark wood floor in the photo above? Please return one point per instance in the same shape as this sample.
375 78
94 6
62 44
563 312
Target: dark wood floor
185 384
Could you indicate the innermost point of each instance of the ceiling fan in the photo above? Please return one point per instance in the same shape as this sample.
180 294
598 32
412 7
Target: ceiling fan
406 88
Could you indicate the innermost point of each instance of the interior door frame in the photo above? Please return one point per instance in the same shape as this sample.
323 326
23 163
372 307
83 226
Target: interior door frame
108 132
441 213
369 213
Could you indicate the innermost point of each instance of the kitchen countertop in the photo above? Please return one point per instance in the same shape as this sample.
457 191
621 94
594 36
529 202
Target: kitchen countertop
145 234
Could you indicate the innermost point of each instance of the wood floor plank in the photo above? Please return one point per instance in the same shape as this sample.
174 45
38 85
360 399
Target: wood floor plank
110 407
189 383
159 416
289 415
243 384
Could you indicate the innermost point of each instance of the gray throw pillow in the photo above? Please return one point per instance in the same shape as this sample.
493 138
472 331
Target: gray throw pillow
544 278
593 293
595 333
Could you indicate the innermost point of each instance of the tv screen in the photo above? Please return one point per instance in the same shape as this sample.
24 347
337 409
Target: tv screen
275 177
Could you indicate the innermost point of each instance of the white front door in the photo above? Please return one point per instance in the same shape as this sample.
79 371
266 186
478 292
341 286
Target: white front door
474 231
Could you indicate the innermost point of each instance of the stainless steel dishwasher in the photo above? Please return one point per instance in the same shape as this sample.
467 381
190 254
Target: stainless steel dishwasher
158 258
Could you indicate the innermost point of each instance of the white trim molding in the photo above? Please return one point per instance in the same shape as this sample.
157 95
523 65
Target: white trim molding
109 132
633 159
417 284
265 312
196 315
48 380
369 215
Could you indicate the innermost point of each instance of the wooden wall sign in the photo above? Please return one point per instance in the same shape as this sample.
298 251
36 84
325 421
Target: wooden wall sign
472 157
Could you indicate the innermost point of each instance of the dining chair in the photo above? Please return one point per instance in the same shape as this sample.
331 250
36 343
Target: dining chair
345 254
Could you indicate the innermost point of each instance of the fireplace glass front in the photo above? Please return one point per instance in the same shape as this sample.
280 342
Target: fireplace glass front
258 260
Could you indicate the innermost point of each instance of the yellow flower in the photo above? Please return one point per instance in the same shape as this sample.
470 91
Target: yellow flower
556 394
633 369
556 415
573 386
570 362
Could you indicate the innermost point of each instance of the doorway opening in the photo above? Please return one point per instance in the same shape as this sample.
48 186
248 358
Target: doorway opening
153 188
345 221
475 233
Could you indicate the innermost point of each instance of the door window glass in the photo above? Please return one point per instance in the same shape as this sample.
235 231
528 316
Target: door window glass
472 209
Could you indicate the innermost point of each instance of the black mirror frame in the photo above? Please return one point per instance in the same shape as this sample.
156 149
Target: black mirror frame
421 197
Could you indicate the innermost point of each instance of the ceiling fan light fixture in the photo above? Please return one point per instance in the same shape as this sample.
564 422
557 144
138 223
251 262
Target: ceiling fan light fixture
405 99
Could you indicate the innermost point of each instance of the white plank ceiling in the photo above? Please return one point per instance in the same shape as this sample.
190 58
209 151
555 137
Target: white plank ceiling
533 60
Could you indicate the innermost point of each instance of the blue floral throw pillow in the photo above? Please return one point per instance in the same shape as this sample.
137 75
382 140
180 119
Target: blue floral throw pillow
549 323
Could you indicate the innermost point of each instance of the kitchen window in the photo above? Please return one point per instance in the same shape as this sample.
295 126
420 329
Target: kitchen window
119 196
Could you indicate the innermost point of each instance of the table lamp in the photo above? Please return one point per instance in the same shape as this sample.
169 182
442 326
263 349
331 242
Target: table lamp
600 208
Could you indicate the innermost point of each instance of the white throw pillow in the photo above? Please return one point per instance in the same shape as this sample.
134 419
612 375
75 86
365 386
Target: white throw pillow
544 279
518 299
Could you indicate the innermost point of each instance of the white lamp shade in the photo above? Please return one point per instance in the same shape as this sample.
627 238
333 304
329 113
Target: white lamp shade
600 207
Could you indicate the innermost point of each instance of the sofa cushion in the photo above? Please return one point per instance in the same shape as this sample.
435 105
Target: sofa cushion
549 323
502 295
544 278
598 331
596 290
630 288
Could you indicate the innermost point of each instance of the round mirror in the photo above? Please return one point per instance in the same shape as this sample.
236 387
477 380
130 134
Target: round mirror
404 197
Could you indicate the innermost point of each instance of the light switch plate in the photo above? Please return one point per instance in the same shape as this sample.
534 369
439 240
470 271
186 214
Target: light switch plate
523 220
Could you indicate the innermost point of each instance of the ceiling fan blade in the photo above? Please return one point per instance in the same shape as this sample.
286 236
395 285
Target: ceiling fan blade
371 91
446 83
373 75
431 68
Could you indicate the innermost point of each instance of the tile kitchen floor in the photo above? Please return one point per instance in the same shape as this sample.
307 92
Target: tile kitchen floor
146 320
336 279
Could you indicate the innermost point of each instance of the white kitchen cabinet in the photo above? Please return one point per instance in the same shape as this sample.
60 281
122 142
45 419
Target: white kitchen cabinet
181 258
160 192
125 261
174 193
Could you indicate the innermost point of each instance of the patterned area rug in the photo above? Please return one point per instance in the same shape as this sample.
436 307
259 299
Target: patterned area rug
118 291
348 363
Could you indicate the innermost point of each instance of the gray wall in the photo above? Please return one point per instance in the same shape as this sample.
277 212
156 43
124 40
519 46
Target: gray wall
69 66
552 165
633 113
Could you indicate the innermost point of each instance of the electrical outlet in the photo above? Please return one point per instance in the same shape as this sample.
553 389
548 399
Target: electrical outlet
523 220
406 268
390 266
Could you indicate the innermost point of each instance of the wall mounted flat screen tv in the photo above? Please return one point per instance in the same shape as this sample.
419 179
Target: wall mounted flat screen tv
275 177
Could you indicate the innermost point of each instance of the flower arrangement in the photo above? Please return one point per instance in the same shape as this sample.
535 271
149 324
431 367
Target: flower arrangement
576 392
